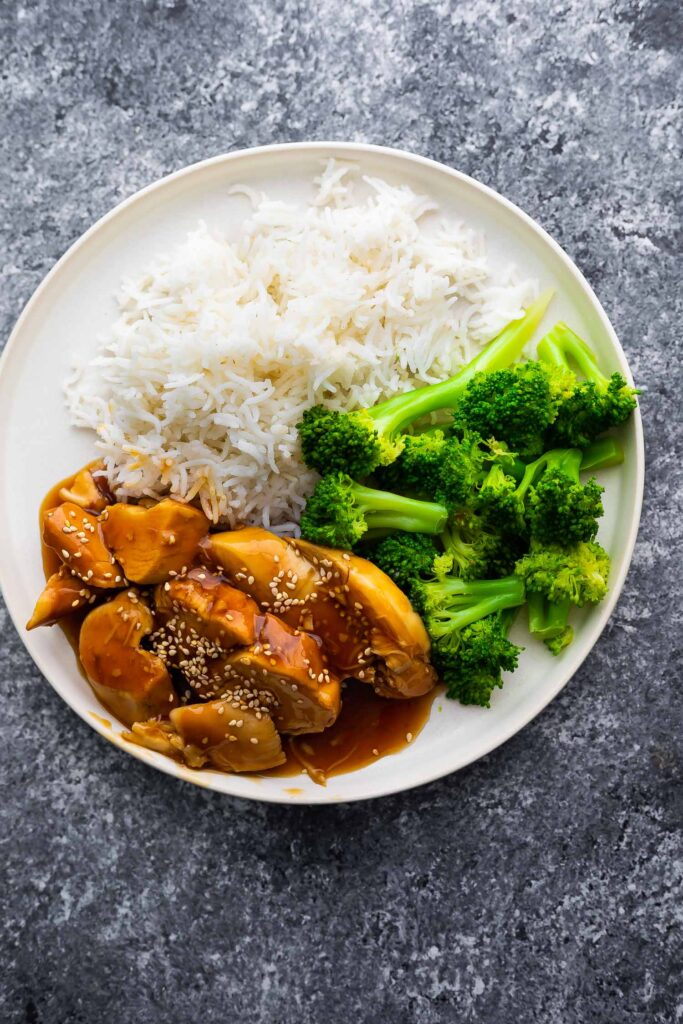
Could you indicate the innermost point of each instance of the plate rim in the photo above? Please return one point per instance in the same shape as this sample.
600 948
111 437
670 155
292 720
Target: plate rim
204 779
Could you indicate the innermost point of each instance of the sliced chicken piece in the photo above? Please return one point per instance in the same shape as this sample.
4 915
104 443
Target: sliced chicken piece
131 682
215 734
76 536
208 604
264 566
154 543
397 655
287 665
289 585
85 491
63 595
199 618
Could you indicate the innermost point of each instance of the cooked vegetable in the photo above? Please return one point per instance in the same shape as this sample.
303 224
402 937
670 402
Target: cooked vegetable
594 404
340 511
557 578
406 558
601 454
516 405
471 664
446 469
475 549
549 502
469 631
358 442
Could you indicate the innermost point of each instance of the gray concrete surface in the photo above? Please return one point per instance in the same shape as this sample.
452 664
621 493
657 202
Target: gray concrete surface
543 884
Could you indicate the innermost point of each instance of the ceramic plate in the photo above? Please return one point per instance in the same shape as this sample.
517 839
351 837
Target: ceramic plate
38 447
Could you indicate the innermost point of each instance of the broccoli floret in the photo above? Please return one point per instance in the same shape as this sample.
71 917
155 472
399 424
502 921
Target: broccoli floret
359 442
562 508
446 469
406 558
468 623
549 503
473 549
340 511
594 404
516 405
501 500
577 574
557 578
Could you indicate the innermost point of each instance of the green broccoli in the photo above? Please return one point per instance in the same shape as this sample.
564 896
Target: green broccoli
406 558
557 578
515 405
594 404
474 550
549 503
471 667
468 622
446 469
358 442
601 454
340 511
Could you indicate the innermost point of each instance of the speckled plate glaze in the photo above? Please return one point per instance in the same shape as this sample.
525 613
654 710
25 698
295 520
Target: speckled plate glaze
75 303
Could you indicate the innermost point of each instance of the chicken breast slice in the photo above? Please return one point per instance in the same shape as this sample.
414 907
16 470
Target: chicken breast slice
292 586
154 543
398 648
76 536
220 733
62 595
131 682
288 665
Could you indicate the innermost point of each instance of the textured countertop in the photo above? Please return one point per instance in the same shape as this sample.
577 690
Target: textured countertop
543 884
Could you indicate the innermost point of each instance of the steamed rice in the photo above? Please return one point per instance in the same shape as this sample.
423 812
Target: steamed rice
221 344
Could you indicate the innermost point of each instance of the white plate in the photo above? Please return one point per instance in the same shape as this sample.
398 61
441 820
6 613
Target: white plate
38 447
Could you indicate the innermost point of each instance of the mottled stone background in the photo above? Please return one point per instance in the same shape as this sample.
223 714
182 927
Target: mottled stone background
543 884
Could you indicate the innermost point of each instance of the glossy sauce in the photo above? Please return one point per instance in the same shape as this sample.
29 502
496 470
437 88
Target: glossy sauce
368 728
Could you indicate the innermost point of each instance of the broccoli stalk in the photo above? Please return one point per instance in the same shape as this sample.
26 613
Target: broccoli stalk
340 511
549 621
601 454
594 404
557 578
469 624
451 603
358 442
549 502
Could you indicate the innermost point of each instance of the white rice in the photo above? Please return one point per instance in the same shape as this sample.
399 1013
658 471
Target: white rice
220 345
